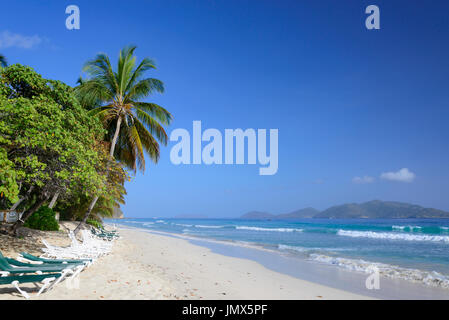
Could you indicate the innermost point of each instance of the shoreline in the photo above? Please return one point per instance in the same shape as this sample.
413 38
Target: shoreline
143 265
316 272
155 265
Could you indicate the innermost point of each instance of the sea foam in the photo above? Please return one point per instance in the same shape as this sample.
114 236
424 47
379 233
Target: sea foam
407 228
431 278
208 227
268 229
392 236
147 224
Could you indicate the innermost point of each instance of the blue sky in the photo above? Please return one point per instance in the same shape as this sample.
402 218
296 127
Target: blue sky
348 102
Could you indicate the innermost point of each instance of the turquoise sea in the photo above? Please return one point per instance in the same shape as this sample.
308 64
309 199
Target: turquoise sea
412 249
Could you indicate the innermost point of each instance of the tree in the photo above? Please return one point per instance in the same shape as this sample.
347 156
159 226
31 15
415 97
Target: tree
3 62
74 208
133 126
47 140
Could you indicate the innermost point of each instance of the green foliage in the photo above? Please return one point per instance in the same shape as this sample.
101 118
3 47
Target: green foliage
95 223
47 140
75 207
9 189
43 219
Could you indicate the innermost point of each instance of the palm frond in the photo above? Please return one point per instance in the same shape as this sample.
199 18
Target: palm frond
100 69
155 111
3 61
149 144
126 64
144 88
152 125
93 92
135 141
137 74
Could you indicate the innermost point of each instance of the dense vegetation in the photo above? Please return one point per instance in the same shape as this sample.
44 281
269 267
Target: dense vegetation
71 148
43 219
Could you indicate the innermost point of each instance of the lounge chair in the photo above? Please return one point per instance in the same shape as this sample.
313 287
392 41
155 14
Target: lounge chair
26 257
46 280
89 247
18 263
100 245
8 265
11 267
71 252
103 234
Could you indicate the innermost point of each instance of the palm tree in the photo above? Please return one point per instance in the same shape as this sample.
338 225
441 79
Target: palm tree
3 62
134 126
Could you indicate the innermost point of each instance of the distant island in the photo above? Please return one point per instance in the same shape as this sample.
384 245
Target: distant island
375 209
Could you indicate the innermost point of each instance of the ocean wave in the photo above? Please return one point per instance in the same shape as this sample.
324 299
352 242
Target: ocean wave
146 224
305 249
393 236
183 225
206 226
268 229
431 278
294 248
161 221
407 228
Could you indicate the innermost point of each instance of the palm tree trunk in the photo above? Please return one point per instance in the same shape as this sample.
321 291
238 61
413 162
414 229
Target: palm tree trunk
114 140
86 215
53 200
111 154
26 215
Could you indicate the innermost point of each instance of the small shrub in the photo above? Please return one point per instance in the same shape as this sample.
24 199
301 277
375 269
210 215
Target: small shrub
43 219
95 223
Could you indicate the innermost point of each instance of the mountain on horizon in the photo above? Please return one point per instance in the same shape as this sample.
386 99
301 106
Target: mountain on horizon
299 214
375 209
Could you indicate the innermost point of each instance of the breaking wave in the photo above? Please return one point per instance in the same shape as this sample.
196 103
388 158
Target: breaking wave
407 228
268 229
210 227
431 278
393 236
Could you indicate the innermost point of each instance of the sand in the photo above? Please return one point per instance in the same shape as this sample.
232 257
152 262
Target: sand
145 265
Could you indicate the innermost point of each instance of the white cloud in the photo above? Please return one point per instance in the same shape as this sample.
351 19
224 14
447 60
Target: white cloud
362 180
9 39
403 175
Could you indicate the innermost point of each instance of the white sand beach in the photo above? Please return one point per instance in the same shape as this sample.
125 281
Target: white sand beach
143 265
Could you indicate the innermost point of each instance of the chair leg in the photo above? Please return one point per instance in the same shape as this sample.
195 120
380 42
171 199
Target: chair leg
23 293
46 283
77 271
64 274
